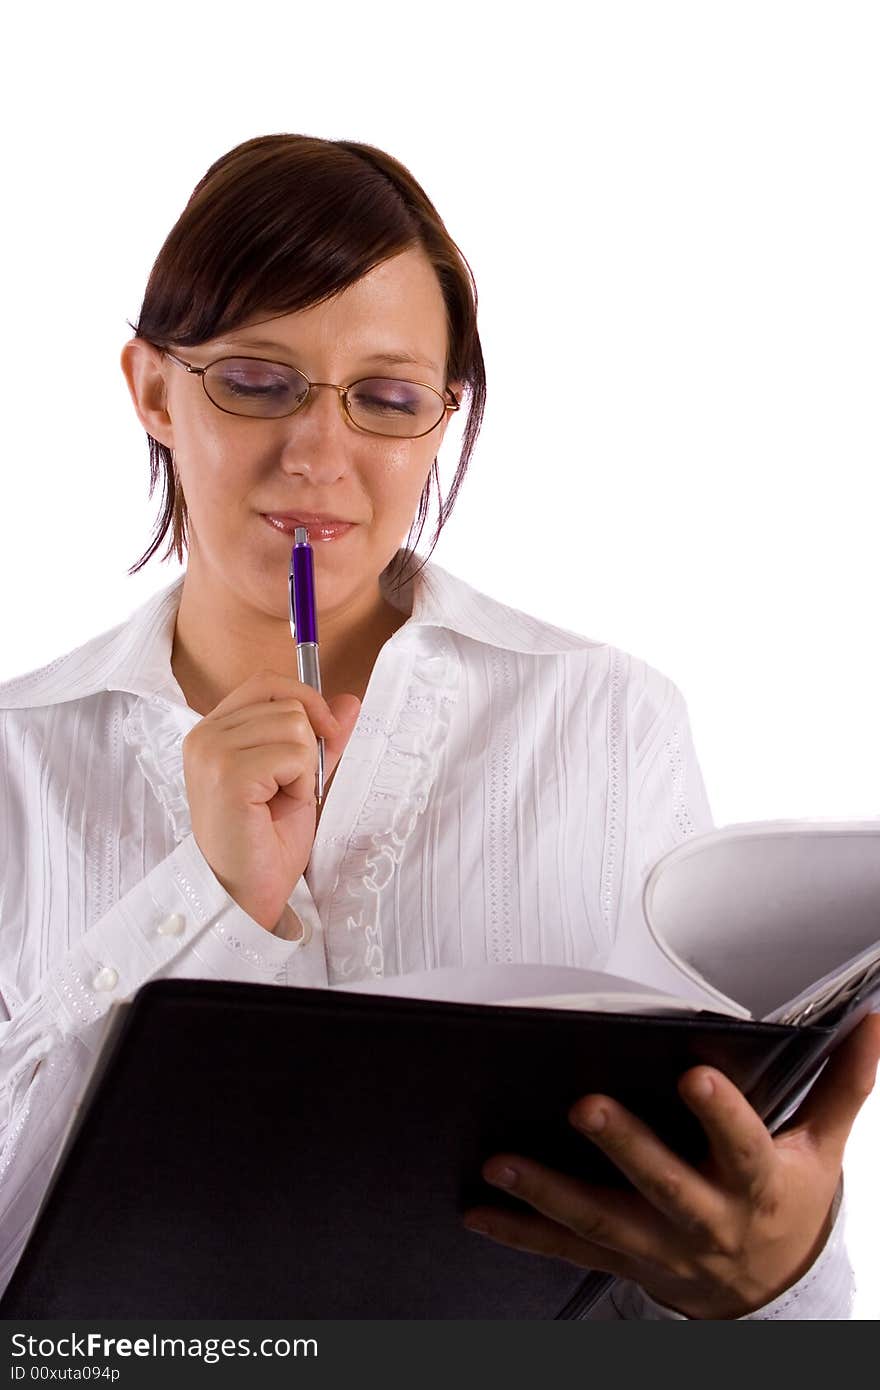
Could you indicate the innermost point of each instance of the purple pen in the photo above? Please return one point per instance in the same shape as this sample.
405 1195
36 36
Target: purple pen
304 625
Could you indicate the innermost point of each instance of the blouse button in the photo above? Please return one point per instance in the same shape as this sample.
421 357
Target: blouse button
106 978
172 926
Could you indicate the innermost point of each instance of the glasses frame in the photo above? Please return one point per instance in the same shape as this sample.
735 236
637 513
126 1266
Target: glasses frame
342 392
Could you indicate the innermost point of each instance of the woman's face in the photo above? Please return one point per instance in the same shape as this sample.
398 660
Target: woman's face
235 469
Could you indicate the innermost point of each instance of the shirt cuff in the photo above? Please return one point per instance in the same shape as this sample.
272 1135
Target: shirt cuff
260 955
177 921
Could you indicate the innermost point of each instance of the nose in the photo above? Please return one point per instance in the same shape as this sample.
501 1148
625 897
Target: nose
318 435
324 400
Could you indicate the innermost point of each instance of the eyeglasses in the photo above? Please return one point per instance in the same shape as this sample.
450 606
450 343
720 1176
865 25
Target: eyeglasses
269 390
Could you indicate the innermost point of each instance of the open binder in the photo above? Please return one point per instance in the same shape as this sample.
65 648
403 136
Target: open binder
258 1151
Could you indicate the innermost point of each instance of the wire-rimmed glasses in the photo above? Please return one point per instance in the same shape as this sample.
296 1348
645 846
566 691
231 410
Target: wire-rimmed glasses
265 390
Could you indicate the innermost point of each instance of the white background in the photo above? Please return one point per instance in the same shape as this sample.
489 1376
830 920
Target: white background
672 214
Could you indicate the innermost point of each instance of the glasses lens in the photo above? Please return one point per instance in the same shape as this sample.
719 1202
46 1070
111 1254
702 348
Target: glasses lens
246 386
388 406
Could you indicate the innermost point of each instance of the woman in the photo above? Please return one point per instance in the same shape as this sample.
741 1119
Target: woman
307 333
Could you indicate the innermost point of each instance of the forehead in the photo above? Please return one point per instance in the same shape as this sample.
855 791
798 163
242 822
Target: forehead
397 309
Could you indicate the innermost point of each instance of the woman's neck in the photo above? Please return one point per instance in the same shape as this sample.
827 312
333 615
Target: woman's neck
219 643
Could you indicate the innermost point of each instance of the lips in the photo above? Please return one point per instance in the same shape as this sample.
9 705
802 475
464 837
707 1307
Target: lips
307 519
324 530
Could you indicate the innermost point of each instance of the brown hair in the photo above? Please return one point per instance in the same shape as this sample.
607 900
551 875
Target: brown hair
281 223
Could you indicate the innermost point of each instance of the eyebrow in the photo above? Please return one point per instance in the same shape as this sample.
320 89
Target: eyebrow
389 359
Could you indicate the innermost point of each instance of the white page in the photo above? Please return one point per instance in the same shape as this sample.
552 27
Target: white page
810 1005
537 985
757 913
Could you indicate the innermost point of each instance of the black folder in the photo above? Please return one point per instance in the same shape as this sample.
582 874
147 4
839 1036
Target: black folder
261 1151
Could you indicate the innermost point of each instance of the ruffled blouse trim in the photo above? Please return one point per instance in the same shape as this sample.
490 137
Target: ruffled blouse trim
396 796
155 730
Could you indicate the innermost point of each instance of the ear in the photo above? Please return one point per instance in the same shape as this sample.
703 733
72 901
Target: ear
145 371
457 390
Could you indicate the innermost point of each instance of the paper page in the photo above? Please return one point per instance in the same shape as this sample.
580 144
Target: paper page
532 985
762 913
609 1003
831 991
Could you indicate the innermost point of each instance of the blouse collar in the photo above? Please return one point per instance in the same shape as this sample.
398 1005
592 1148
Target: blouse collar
135 656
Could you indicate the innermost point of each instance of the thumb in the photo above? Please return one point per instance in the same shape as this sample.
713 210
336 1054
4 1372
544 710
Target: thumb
830 1109
344 708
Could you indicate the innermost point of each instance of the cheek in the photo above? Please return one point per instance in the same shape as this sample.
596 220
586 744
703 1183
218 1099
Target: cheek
215 487
405 469
217 467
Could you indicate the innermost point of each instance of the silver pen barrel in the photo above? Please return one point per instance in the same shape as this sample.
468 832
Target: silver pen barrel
309 671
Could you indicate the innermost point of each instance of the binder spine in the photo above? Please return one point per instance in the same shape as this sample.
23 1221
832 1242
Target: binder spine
791 1074
805 1054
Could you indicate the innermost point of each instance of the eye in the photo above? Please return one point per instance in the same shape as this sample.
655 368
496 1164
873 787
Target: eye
260 387
252 379
381 396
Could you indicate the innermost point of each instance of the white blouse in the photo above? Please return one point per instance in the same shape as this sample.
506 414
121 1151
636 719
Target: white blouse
506 788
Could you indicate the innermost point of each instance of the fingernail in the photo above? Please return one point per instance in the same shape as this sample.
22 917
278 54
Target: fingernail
594 1121
479 1226
503 1177
704 1087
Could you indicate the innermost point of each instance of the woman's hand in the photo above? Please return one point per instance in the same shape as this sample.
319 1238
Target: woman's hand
714 1242
250 768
